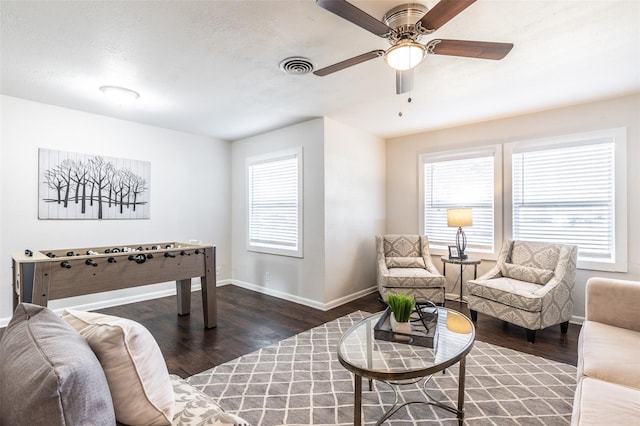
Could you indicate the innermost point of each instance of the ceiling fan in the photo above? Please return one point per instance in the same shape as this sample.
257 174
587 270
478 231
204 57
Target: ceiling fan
403 26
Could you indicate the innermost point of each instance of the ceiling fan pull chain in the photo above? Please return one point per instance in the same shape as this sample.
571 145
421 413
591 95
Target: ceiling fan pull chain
409 100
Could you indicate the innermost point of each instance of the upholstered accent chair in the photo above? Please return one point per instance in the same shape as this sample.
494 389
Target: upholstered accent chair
405 267
531 285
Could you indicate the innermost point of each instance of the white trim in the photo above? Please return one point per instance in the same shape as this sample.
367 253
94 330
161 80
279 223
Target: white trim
617 135
302 300
458 154
577 320
296 153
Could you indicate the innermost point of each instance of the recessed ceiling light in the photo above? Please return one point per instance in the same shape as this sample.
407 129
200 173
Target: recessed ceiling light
119 95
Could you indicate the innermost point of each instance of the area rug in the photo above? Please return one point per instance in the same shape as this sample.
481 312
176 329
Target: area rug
300 381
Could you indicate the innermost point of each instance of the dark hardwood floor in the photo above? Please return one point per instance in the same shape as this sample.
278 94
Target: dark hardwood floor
248 321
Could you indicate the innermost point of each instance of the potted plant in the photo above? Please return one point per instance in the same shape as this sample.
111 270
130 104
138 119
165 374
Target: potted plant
401 308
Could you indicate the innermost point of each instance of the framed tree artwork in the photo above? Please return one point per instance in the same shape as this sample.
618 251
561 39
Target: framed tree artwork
83 186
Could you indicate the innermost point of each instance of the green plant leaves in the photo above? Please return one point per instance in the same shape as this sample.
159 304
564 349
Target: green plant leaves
401 305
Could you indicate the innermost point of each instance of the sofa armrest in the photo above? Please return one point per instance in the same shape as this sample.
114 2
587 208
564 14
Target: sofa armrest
491 274
613 302
503 257
380 259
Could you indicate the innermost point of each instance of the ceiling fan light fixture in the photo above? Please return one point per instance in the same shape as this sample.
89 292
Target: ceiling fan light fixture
404 55
119 95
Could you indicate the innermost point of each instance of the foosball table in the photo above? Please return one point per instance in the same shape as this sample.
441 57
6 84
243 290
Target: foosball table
40 276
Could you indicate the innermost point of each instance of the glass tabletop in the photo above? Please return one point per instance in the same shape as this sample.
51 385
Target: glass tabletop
361 353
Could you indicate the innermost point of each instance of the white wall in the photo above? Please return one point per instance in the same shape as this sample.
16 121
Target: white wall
402 163
354 209
297 279
189 190
343 209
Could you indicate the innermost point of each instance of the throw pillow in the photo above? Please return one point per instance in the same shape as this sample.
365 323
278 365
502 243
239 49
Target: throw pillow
48 373
196 408
405 262
526 273
137 374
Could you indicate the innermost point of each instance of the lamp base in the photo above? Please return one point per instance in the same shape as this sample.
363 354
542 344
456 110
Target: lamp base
461 243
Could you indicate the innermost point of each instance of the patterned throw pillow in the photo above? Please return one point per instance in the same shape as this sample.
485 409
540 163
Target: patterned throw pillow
535 254
525 273
405 262
136 372
195 408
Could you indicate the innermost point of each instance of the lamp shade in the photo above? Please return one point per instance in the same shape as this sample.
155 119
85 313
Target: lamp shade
459 217
405 55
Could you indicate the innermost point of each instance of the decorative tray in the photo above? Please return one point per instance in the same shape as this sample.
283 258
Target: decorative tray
424 330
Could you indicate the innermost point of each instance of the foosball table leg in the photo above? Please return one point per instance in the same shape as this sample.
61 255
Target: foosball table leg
183 290
209 297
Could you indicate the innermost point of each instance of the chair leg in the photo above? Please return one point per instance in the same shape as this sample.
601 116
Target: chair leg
474 315
531 336
564 327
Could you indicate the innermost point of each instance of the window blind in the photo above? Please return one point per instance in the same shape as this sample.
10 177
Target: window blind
460 182
566 194
274 203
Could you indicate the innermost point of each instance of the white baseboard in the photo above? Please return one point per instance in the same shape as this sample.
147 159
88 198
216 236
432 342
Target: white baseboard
108 303
353 296
301 300
577 320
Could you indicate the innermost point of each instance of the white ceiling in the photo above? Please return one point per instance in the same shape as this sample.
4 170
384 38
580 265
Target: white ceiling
211 67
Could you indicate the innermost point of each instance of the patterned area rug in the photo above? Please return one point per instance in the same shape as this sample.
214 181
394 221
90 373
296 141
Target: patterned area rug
300 381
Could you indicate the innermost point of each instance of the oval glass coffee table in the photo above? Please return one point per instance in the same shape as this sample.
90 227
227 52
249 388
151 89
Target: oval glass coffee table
398 363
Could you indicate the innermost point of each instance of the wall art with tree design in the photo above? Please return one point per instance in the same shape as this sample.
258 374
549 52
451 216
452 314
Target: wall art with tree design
83 186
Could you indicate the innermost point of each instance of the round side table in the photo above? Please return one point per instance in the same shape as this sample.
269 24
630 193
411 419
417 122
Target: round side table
462 262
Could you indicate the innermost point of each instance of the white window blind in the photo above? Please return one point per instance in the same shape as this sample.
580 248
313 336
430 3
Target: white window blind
463 180
274 204
567 194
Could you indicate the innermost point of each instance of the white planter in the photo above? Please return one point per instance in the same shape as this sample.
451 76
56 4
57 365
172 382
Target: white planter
400 327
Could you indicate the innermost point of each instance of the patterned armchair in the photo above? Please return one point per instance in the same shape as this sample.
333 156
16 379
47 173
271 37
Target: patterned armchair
405 266
531 285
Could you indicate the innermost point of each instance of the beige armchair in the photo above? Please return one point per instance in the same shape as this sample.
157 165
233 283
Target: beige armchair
405 266
531 285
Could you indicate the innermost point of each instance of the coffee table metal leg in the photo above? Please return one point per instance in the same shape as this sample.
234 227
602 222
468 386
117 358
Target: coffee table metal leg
357 400
461 377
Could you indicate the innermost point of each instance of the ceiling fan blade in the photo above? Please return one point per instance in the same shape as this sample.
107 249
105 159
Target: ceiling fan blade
404 81
441 13
356 16
469 49
349 62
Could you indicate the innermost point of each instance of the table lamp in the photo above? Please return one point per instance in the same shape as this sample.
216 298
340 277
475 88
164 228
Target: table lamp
460 217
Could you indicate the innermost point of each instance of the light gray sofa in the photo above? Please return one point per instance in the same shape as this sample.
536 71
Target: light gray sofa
608 390
50 375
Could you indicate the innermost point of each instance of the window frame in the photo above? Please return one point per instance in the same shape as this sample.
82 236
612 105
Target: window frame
281 250
616 135
458 154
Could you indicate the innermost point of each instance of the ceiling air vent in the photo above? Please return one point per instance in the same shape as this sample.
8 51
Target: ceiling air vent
296 65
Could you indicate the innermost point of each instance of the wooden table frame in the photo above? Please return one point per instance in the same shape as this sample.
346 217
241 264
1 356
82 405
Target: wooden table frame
38 277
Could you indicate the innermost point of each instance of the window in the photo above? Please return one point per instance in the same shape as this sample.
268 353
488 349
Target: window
274 205
466 178
565 189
